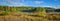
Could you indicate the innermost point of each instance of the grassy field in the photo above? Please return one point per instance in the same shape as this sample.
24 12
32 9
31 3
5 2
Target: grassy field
22 18
26 17
16 14
53 16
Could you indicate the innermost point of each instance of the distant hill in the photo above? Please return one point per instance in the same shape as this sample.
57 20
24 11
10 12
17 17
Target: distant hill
20 8
48 9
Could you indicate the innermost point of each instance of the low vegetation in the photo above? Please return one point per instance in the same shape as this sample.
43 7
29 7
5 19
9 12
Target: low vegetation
8 13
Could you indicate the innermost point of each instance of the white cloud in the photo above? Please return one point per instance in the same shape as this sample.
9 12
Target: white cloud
58 6
38 2
14 2
47 6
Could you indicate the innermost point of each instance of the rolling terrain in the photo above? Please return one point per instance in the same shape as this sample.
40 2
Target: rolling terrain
28 14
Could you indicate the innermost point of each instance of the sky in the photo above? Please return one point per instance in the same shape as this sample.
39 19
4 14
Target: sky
43 3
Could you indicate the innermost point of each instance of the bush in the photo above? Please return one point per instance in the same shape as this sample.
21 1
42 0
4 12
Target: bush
42 12
5 13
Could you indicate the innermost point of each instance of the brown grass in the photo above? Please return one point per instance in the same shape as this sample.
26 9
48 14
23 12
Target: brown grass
21 18
53 17
24 17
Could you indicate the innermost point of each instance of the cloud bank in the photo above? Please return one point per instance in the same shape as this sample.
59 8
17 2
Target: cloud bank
14 2
38 2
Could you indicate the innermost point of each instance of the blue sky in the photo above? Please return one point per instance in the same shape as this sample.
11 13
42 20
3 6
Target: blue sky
43 3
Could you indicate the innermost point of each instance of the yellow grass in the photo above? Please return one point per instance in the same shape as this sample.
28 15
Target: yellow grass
24 17
21 18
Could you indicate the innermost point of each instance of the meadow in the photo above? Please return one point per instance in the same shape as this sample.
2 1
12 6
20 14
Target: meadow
23 13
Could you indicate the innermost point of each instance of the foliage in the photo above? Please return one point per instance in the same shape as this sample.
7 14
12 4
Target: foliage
42 12
4 13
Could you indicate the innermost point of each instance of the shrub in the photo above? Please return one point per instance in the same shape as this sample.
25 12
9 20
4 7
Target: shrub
41 12
5 13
